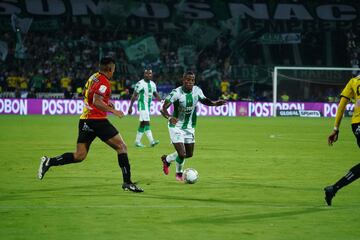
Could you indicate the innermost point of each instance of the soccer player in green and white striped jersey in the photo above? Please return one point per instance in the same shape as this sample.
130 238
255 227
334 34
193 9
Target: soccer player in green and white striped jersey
144 91
182 122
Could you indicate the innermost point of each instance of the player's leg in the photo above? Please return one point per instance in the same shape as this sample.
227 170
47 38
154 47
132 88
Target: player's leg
63 159
149 135
118 144
352 175
145 118
139 134
186 150
180 160
189 147
85 138
176 136
167 160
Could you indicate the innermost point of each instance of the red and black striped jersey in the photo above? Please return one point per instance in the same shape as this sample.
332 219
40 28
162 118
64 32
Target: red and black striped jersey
99 84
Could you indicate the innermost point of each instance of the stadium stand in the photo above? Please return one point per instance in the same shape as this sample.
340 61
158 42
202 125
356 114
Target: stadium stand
52 63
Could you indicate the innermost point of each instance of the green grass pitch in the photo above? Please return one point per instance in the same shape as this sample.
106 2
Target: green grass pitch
260 178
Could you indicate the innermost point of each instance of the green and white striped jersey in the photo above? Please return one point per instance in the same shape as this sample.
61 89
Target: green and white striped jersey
146 92
185 106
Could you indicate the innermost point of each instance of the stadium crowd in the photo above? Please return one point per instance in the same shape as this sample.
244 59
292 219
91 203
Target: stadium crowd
61 62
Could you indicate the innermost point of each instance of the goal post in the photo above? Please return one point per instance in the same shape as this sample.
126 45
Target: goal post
344 74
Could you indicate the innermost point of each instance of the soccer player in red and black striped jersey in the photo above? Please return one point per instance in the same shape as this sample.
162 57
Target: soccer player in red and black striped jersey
94 123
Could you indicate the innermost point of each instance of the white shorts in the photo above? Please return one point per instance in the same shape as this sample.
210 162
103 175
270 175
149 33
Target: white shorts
178 135
144 115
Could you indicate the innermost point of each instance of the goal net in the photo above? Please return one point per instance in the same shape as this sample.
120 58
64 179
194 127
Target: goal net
309 84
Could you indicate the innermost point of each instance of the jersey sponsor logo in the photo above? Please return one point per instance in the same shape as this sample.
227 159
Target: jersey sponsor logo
94 78
189 109
86 128
357 131
102 89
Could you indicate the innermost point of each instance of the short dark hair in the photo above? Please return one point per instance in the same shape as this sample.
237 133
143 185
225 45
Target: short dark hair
188 73
106 60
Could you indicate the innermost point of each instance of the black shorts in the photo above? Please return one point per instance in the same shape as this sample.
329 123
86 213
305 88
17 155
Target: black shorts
356 130
89 129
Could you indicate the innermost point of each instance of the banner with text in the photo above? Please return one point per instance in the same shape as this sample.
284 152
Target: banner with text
231 109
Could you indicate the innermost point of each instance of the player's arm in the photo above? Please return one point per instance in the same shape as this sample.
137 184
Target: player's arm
100 104
164 112
133 98
157 96
339 114
208 102
111 104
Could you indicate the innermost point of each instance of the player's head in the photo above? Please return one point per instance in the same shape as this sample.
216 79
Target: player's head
147 74
188 80
107 66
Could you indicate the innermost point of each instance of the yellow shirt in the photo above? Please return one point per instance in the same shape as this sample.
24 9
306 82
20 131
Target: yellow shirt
23 83
224 85
65 82
113 85
285 98
352 91
13 81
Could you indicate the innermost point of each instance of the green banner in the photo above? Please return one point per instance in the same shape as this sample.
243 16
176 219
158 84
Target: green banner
45 25
202 34
141 48
3 50
186 55
280 38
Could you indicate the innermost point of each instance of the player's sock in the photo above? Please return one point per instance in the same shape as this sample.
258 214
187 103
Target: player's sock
139 134
149 133
63 159
179 164
125 167
171 157
351 176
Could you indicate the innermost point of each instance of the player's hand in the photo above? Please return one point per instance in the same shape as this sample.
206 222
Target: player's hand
333 137
173 120
111 104
117 113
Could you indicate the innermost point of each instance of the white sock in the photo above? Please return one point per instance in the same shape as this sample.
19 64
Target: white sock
149 136
138 137
171 157
179 167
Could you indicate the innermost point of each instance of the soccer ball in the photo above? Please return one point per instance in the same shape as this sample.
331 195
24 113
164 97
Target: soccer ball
190 175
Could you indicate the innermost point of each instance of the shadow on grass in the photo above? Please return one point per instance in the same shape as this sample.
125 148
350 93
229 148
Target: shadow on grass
201 200
231 219
78 190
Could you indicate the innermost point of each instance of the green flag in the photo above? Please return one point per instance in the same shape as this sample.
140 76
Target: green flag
20 49
141 48
20 24
186 55
3 50
202 34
